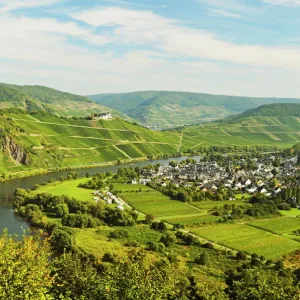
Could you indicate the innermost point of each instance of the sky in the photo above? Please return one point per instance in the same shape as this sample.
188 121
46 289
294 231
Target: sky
230 47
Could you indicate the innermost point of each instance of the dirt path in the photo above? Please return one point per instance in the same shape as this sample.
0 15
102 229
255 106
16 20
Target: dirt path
123 152
180 142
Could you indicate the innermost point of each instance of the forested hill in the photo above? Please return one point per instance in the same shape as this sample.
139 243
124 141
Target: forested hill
32 98
171 109
273 110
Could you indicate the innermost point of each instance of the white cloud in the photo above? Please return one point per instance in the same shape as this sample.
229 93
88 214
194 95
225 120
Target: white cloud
39 51
26 28
146 28
9 5
283 2
222 13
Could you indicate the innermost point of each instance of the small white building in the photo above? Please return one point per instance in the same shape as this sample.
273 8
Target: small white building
102 116
144 181
120 207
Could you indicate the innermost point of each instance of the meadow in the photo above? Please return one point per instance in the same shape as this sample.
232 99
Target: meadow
97 241
69 188
208 204
154 203
278 225
248 239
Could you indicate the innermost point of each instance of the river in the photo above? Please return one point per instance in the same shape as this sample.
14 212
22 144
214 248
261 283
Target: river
16 225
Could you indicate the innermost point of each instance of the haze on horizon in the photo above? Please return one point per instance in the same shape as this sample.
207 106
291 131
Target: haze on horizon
229 47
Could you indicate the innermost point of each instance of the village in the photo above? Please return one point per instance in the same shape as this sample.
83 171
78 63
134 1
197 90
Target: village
266 175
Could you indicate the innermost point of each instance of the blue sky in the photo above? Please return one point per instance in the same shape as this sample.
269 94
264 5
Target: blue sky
232 47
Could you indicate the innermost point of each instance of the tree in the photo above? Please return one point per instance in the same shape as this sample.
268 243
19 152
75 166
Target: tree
258 283
24 267
75 279
203 259
241 255
61 210
62 240
168 239
138 277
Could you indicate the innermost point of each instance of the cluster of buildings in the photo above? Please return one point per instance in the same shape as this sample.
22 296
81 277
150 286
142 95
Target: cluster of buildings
236 176
109 198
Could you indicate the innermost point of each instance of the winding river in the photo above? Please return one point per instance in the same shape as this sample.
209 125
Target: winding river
15 224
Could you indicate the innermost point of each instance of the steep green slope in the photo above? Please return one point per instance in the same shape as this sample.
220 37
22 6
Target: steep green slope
169 109
45 99
270 110
40 140
269 125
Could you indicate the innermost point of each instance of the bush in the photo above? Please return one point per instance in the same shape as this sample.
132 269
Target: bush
203 259
168 239
241 255
119 234
208 246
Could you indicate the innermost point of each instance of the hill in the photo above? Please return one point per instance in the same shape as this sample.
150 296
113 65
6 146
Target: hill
40 140
172 109
49 100
269 110
268 125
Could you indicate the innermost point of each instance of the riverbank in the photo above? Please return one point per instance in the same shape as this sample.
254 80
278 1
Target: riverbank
36 172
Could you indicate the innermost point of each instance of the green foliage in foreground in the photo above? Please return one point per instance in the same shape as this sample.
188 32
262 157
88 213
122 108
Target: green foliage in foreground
27 272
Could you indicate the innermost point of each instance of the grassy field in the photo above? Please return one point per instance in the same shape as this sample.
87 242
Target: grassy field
193 220
150 201
97 241
211 204
294 212
278 225
69 188
249 239
157 204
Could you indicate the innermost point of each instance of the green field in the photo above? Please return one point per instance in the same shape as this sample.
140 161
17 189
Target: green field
97 241
208 204
249 239
278 225
294 212
153 202
69 188
193 220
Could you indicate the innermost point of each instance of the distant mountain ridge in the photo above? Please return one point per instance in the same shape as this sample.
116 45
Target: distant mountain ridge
164 109
40 98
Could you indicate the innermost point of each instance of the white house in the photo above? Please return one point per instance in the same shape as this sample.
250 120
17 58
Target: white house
102 116
144 181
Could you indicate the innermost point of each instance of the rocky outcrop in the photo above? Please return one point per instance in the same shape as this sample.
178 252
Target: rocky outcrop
10 147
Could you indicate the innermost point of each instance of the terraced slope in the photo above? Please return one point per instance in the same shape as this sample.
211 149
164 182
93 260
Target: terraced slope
32 98
270 125
164 109
51 142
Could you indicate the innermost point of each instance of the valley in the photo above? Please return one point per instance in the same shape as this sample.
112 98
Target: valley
167 109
